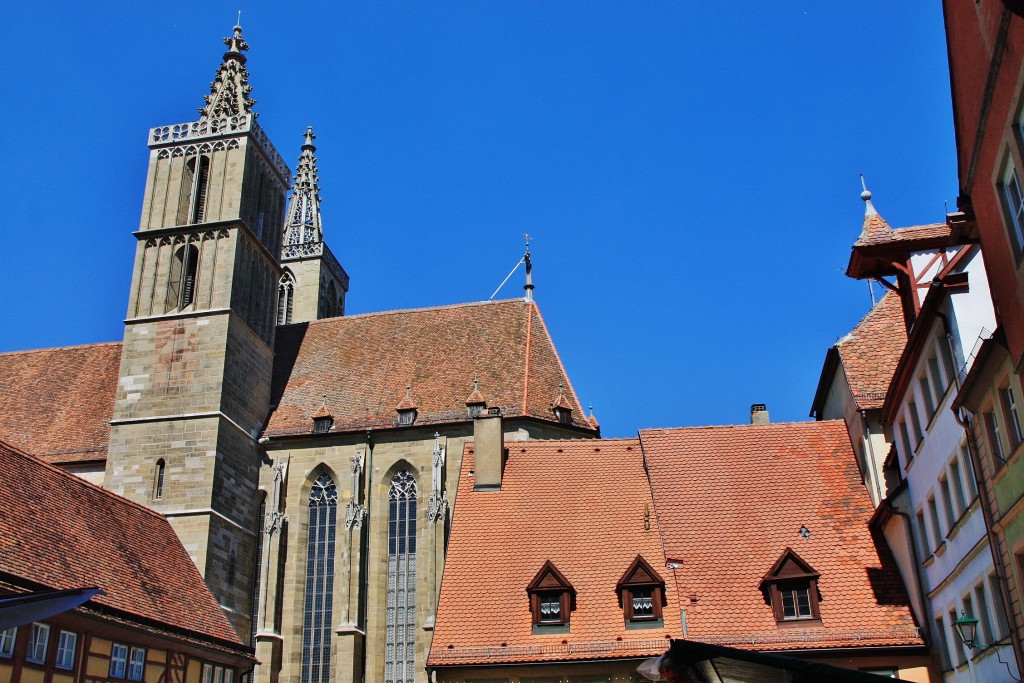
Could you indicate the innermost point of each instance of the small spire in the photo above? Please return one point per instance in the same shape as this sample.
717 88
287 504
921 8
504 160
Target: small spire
528 287
407 403
229 91
869 208
323 411
303 224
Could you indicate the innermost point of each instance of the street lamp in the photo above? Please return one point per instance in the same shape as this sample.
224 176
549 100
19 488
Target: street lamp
967 628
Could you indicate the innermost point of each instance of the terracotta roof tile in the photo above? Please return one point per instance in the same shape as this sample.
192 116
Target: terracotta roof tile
580 504
63 532
871 351
57 403
877 231
364 362
730 500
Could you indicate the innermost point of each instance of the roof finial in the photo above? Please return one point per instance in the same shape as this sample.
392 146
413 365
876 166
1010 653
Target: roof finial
476 384
528 287
239 22
869 208
303 225
229 91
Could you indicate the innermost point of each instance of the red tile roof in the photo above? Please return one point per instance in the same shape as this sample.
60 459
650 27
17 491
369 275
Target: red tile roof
879 246
871 351
57 403
585 506
364 362
877 231
62 532
730 500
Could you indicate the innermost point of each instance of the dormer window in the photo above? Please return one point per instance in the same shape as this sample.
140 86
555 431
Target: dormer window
552 598
322 419
561 407
406 409
791 587
641 594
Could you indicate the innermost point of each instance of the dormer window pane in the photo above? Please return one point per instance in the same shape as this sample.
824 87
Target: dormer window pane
796 603
643 603
551 608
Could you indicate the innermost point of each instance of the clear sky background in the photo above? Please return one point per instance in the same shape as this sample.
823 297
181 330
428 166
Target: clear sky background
688 171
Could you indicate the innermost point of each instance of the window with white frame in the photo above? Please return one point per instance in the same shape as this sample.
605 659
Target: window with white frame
915 419
37 642
956 483
66 645
968 470
983 614
1008 402
954 639
922 534
7 638
939 384
217 674
995 439
1002 627
118 660
947 501
908 447
925 384
940 628
933 517
1013 203
136 663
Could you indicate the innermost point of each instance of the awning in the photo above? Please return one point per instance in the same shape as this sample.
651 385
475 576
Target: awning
25 608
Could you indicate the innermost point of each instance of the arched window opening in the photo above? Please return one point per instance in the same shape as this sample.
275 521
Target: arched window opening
158 479
200 189
285 298
400 647
181 283
188 179
317 619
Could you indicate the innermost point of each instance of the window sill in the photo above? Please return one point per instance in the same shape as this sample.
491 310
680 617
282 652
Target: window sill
545 629
928 561
645 624
798 623
940 549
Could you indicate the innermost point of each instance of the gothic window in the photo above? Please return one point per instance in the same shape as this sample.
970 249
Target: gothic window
400 647
285 298
552 599
181 283
158 479
641 592
200 189
316 626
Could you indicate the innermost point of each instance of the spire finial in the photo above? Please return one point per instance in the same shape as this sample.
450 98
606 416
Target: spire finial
408 390
528 287
310 136
869 208
476 384
229 91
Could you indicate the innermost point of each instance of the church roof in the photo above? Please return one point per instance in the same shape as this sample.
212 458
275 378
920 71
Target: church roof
871 351
56 403
362 363
58 531
582 505
732 499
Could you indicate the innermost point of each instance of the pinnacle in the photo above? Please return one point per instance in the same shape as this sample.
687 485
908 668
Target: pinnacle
229 91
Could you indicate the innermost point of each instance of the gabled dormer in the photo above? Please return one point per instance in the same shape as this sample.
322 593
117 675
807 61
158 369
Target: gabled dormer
641 594
791 588
552 599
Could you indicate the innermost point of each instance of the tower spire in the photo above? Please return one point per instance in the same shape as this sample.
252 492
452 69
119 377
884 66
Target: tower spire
302 225
229 91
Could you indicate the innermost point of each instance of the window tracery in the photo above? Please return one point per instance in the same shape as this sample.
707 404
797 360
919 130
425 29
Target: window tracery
317 614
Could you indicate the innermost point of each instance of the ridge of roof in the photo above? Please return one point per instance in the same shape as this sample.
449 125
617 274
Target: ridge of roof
813 424
72 347
405 311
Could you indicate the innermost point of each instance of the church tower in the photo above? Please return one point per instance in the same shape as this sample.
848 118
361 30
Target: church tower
197 357
313 284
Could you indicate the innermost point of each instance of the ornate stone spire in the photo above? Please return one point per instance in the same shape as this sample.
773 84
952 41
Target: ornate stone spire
302 224
229 91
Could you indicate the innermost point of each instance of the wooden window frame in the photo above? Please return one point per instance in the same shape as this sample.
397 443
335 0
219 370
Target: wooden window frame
641 576
547 583
790 573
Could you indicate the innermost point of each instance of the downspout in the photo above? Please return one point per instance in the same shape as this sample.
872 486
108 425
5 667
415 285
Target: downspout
871 454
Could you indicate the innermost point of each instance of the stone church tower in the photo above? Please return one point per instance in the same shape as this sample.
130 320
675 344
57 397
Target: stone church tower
194 385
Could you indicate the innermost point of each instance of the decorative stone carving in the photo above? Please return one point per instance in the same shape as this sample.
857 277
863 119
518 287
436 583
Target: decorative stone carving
437 510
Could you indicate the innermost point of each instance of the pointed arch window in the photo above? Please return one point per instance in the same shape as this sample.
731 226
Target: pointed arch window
195 181
317 615
285 297
158 479
181 282
400 647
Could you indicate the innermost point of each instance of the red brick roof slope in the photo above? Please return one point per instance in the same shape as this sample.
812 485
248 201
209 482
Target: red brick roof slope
730 500
57 403
364 362
581 504
877 231
63 532
871 351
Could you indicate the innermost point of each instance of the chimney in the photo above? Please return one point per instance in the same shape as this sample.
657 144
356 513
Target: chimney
759 414
489 449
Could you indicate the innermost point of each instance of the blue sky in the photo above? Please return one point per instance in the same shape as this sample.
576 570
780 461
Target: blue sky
688 171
